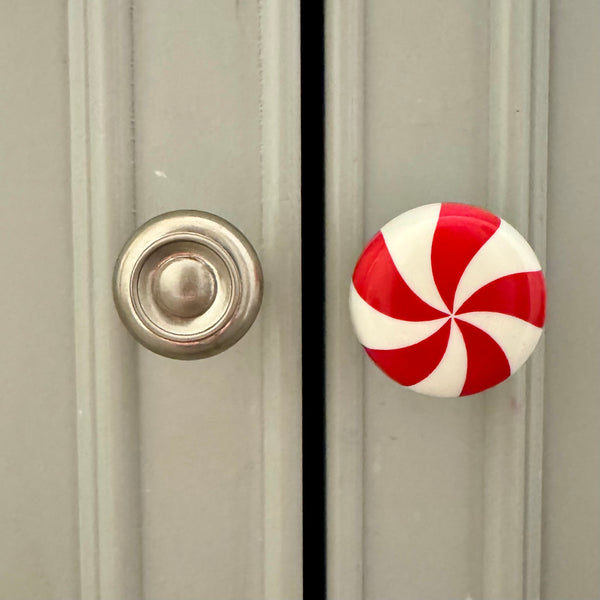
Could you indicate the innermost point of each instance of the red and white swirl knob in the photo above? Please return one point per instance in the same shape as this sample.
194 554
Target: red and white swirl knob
448 299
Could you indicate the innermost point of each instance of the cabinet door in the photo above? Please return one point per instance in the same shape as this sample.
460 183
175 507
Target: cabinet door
127 475
495 495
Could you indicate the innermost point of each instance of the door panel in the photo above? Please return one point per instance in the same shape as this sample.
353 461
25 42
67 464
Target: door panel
431 498
129 475
425 141
197 146
422 85
571 524
38 462
218 453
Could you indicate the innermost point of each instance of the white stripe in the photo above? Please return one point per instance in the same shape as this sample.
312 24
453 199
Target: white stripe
516 337
448 378
380 332
505 253
408 238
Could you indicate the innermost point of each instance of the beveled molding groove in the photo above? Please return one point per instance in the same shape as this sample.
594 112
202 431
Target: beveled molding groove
344 233
102 192
518 135
279 46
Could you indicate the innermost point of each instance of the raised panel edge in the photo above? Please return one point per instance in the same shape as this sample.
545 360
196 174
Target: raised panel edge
103 215
344 231
279 23
518 139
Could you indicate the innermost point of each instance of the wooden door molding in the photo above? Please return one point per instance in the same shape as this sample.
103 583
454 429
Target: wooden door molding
344 235
517 180
103 216
281 326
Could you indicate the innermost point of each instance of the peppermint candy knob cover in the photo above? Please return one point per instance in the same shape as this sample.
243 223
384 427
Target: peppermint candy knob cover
448 299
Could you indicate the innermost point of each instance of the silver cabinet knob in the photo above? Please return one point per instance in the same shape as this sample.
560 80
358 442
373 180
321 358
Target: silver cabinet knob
187 284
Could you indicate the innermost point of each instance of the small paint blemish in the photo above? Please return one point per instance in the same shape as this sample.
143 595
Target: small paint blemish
161 174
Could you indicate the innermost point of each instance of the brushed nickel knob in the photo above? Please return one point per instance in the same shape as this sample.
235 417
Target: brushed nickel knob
187 284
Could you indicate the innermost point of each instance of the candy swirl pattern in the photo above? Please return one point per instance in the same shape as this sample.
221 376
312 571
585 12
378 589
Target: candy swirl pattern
448 299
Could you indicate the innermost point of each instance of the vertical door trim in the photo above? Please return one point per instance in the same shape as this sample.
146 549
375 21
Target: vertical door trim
102 199
518 122
344 234
281 319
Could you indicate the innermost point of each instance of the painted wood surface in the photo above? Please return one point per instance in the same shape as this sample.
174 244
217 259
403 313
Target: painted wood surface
38 439
128 475
571 490
433 103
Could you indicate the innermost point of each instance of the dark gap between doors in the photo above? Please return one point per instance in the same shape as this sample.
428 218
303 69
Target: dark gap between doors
312 80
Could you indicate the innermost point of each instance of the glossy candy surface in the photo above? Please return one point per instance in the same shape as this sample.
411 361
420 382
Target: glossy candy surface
448 299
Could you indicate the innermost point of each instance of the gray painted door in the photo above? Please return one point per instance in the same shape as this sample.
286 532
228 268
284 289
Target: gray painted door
125 475
497 495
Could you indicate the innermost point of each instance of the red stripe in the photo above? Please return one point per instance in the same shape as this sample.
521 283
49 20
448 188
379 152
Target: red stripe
487 364
521 295
412 364
379 283
461 231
